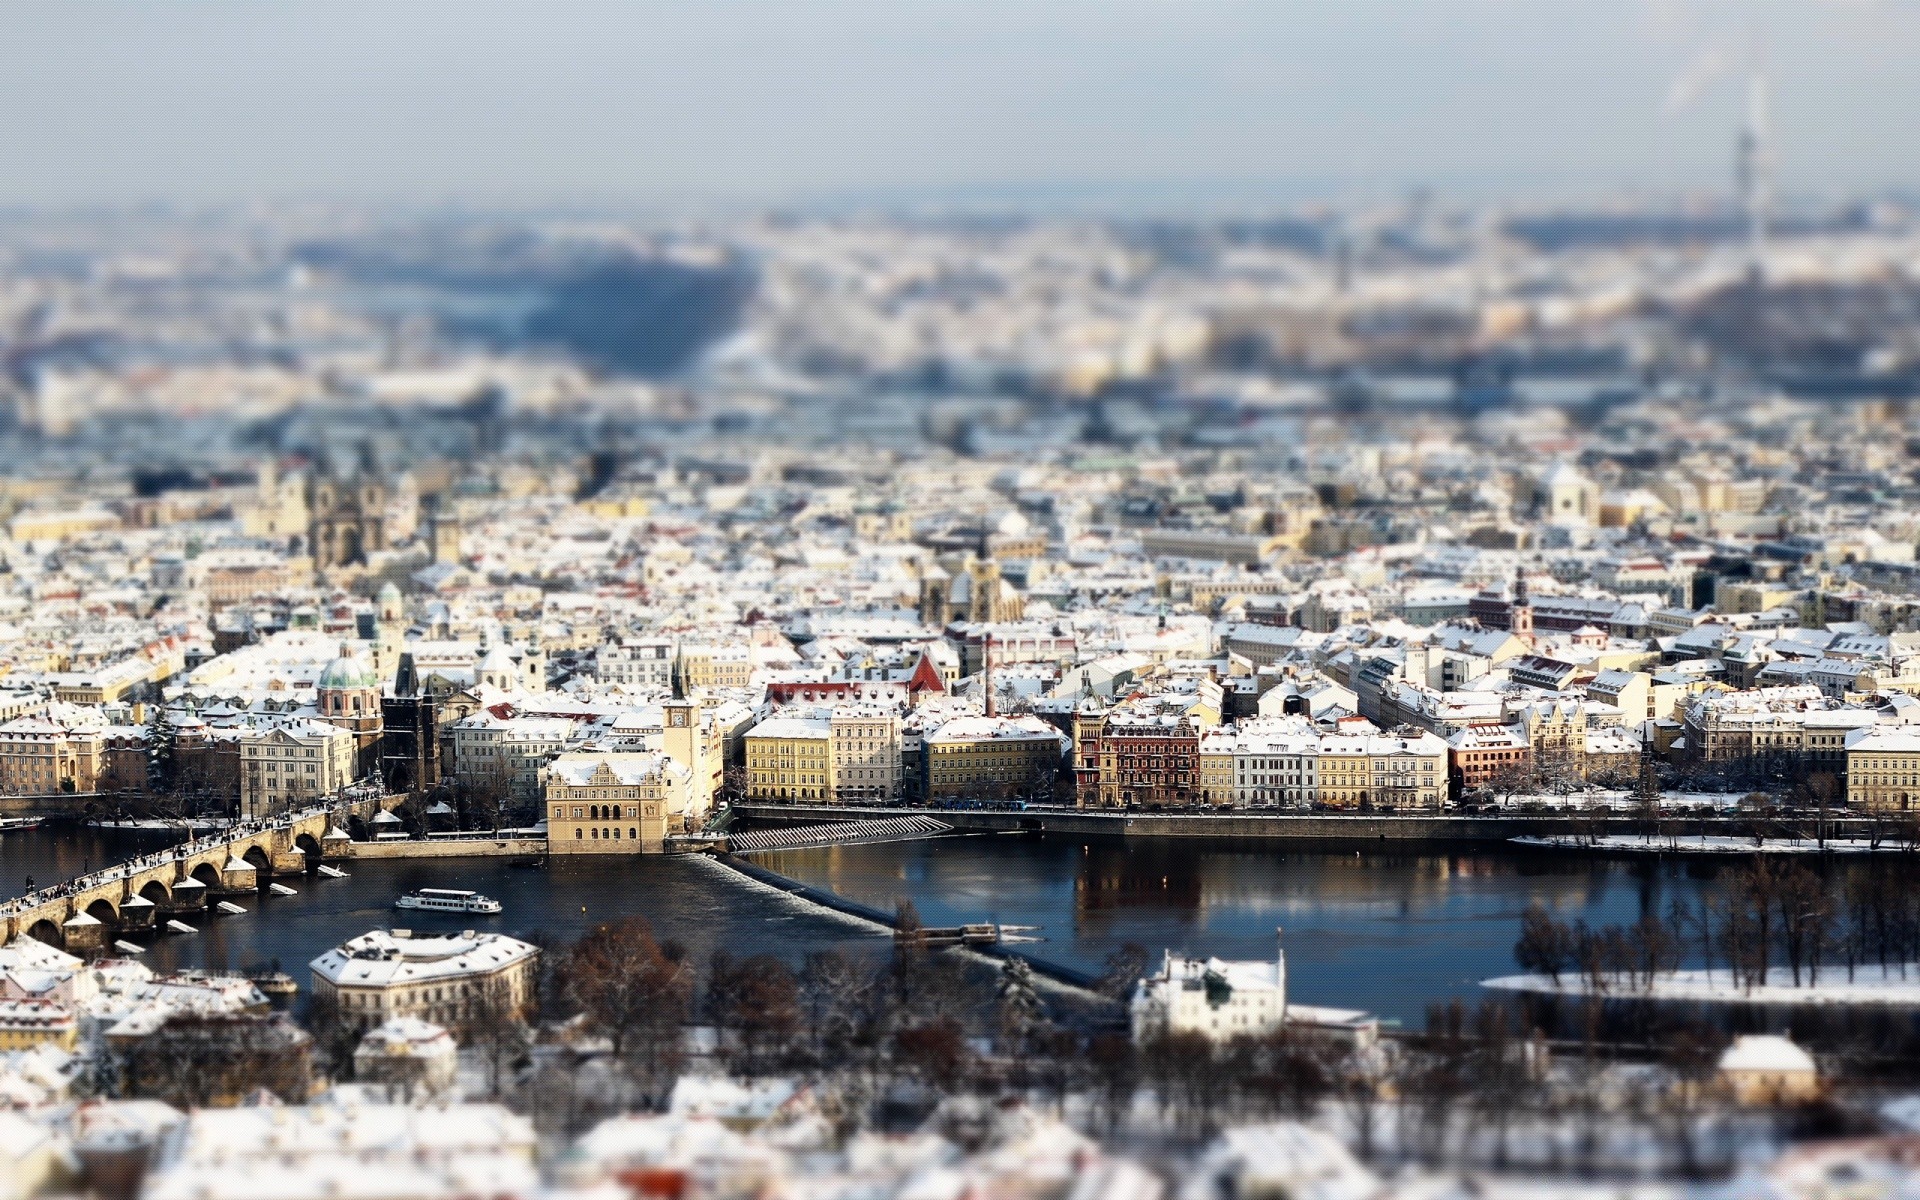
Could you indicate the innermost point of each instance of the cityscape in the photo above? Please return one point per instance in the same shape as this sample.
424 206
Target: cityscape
821 682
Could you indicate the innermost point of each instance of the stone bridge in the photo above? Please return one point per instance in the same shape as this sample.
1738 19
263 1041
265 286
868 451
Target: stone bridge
150 889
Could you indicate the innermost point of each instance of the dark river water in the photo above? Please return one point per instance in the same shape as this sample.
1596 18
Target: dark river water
703 905
1390 931
1386 930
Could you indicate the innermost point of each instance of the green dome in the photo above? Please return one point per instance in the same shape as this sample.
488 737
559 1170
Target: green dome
347 673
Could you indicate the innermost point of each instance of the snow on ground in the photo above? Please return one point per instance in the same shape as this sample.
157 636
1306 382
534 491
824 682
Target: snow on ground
1898 986
1710 844
1622 799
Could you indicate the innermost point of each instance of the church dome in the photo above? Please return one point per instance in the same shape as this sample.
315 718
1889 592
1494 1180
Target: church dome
347 672
388 593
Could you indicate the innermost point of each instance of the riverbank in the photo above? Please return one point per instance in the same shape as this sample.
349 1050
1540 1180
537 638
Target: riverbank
1896 986
1353 830
450 848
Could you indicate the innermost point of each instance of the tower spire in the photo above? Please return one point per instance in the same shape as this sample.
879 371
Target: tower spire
1753 173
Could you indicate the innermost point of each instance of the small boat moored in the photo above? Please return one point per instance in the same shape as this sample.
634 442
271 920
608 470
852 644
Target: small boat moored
180 927
229 908
281 889
331 872
447 900
129 948
276 983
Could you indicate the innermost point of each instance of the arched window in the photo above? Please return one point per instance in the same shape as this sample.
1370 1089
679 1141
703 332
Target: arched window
616 833
577 835
633 835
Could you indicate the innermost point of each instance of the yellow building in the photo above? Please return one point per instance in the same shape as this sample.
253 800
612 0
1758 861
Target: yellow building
1883 768
993 758
26 1023
1344 770
41 758
61 525
1216 766
705 667
616 803
1382 770
790 758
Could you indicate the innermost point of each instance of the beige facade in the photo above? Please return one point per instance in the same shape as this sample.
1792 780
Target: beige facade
616 803
41 758
1883 769
706 668
864 742
294 765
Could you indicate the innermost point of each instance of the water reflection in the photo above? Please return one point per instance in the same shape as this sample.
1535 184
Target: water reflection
1389 929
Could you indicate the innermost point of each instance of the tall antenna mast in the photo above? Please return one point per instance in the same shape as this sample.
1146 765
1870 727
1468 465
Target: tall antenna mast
1753 172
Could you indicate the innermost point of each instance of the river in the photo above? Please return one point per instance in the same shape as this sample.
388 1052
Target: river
1389 929
701 904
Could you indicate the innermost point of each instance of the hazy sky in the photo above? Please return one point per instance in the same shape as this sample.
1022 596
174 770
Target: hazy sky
115 102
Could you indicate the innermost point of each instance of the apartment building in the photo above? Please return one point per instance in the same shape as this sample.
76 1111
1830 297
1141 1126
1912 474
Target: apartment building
293 765
790 758
992 758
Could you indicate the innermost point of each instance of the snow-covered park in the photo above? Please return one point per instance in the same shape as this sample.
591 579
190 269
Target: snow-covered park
1711 843
1897 986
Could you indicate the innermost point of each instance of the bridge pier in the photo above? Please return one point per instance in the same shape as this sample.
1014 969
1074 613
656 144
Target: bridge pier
138 913
82 933
189 894
238 878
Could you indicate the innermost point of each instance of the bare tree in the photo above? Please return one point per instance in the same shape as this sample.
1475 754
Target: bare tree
631 989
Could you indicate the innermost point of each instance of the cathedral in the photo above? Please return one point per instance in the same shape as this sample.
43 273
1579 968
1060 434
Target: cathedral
347 519
971 591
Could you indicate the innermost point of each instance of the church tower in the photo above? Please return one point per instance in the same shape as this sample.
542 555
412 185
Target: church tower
443 533
936 609
410 733
349 695
1520 617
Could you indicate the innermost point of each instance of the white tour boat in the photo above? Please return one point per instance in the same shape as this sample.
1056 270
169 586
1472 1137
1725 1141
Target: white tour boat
447 900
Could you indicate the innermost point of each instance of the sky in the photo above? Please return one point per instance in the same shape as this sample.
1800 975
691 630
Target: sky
774 102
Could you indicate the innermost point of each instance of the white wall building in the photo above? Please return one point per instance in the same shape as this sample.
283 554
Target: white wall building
1213 997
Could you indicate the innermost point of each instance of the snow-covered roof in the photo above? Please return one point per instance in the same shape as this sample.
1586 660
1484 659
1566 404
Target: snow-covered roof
1766 1052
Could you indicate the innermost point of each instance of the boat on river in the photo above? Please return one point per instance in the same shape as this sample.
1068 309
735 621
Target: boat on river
447 900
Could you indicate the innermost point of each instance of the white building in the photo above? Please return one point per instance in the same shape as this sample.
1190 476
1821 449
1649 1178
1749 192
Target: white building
1213 997
638 663
507 751
263 1153
453 981
409 1059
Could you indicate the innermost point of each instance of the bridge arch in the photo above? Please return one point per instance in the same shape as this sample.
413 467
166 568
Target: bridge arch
102 910
311 847
46 931
208 874
156 891
357 829
262 863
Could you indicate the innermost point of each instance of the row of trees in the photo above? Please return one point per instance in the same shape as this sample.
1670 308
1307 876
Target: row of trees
1772 915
